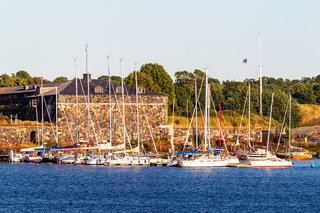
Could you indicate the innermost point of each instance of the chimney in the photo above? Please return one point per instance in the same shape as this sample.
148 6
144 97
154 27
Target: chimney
87 76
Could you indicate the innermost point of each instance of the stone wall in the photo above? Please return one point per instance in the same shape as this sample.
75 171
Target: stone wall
22 134
152 110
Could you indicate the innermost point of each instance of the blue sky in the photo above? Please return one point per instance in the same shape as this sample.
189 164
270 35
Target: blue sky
42 37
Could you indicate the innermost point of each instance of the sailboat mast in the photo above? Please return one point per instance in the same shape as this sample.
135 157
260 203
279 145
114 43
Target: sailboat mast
249 110
38 135
209 142
123 116
187 113
77 102
290 124
86 49
110 113
57 114
220 124
260 71
137 102
42 118
196 98
206 113
270 123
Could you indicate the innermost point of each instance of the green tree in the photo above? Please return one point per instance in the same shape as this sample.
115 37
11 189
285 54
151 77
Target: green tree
317 79
23 74
161 78
4 79
114 79
234 94
303 93
143 81
316 91
216 93
60 79
184 92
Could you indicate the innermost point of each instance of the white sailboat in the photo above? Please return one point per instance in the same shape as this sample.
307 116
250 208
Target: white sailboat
77 160
208 158
266 159
292 152
14 157
130 156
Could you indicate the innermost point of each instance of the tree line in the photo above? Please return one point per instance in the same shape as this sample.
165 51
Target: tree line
231 94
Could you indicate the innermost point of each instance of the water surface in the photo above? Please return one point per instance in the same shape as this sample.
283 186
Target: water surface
69 188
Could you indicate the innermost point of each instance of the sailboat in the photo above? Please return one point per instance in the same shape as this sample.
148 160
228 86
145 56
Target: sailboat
135 157
263 158
293 153
209 157
14 157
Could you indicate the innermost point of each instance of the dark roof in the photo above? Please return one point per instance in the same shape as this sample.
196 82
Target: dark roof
68 88
83 88
31 88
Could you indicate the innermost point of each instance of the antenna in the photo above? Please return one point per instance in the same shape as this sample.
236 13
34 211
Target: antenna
86 49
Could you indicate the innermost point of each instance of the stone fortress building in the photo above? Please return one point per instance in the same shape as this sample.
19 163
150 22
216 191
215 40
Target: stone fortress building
24 103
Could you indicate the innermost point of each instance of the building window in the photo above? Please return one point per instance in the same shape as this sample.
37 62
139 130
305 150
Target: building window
119 89
98 89
141 90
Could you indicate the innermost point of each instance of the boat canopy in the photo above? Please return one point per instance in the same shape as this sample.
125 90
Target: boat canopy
190 152
39 148
45 149
214 148
66 147
127 151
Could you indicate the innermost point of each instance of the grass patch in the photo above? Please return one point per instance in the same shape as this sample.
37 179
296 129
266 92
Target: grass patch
310 114
230 120
5 121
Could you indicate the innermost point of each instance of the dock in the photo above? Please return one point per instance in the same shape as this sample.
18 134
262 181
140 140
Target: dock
3 158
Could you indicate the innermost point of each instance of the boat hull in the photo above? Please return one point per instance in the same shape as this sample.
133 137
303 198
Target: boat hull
233 160
68 161
294 157
203 163
96 161
270 163
131 161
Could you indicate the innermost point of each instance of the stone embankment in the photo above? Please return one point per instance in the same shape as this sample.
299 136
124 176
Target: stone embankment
26 134
311 132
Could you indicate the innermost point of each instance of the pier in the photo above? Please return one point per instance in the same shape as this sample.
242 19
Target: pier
3 158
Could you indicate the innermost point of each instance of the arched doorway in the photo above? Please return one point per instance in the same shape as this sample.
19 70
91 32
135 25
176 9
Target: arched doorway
33 137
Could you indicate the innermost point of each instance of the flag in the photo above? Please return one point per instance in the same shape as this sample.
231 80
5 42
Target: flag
244 61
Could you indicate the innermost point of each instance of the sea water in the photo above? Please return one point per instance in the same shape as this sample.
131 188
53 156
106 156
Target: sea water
70 188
